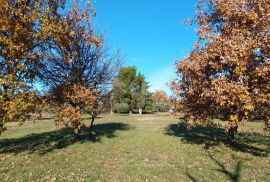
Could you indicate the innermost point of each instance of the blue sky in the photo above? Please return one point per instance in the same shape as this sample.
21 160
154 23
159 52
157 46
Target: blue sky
150 33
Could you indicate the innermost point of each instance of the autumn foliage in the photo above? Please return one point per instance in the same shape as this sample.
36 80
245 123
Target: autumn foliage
160 96
161 101
228 71
79 85
72 102
31 31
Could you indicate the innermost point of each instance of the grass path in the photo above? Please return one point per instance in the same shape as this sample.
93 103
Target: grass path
131 148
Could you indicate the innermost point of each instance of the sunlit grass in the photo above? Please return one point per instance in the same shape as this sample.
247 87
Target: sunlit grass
132 148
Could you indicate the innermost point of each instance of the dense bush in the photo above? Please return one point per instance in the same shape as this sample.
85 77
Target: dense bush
121 108
149 109
161 107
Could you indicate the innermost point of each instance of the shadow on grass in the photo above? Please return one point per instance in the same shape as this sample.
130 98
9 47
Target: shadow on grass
213 136
88 118
235 175
43 118
43 143
192 178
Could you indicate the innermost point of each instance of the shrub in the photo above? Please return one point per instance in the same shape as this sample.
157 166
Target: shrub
121 108
162 107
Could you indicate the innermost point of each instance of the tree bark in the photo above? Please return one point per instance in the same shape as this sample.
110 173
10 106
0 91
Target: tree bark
78 134
267 124
2 128
140 111
92 122
231 133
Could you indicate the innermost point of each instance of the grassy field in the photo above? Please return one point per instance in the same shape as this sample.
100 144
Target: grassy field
133 148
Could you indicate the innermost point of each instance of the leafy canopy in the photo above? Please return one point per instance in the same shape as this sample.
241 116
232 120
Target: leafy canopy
131 88
228 71
30 32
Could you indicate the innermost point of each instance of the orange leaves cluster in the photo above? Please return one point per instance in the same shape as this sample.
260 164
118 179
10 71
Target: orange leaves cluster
69 117
32 31
17 109
76 100
82 97
229 69
160 96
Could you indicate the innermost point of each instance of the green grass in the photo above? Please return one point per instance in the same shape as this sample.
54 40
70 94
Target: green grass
133 148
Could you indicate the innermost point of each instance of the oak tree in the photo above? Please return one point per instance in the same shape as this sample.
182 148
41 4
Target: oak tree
30 31
80 85
228 70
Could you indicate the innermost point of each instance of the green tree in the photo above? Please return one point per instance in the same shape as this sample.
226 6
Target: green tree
141 95
131 88
123 86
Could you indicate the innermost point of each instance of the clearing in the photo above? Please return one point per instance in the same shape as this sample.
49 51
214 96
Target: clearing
132 148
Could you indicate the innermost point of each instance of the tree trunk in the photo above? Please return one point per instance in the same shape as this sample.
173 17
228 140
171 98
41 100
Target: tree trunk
1 124
77 134
267 124
39 116
231 133
140 111
92 122
2 128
